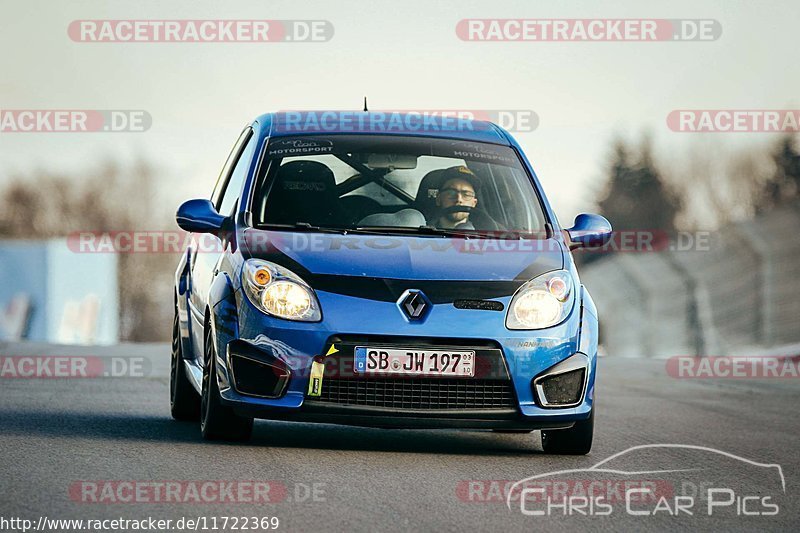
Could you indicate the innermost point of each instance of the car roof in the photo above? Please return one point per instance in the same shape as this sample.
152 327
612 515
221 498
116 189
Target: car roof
418 124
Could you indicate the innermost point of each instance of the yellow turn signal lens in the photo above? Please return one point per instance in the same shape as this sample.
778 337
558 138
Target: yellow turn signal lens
262 277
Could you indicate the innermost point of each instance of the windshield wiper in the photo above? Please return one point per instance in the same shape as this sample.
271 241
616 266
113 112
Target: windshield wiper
403 230
305 226
426 230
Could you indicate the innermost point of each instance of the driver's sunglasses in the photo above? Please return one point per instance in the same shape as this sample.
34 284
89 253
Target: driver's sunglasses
452 194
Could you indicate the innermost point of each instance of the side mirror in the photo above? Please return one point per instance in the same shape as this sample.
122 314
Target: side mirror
589 231
199 216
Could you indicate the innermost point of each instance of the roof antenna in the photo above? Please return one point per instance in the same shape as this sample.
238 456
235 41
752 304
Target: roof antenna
365 104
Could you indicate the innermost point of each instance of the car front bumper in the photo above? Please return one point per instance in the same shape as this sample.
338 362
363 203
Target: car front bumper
523 356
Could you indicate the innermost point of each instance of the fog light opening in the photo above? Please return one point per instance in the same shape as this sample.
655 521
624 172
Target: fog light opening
562 386
258 378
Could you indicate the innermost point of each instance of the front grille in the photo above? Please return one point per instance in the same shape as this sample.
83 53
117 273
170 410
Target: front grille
419 393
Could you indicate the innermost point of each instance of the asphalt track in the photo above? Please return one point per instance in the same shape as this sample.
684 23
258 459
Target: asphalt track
60 436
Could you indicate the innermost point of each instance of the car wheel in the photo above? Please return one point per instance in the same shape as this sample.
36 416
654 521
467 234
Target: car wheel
218 422
184 402
576 440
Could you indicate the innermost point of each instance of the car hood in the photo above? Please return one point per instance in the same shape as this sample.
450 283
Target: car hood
490 267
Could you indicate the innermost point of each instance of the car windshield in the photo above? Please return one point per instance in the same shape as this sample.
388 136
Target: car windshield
393 184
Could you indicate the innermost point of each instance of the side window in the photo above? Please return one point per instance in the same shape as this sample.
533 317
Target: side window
233 188
226 169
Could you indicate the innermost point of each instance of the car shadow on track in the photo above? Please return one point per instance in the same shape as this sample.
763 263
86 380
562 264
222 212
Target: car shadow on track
111 426
337 437
96 426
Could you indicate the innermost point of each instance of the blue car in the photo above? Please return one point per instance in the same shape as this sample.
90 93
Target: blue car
386 270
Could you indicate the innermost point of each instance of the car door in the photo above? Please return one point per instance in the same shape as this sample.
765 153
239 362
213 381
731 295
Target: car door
208 250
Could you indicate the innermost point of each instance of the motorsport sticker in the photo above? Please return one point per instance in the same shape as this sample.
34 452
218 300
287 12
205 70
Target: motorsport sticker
475 151
289 147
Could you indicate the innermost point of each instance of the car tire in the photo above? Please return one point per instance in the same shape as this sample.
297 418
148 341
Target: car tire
576 440
218 422
184 402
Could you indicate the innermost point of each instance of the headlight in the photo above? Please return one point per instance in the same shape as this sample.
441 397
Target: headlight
542 302
279 292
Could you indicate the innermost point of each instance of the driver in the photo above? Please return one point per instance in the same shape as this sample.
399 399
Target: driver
458 189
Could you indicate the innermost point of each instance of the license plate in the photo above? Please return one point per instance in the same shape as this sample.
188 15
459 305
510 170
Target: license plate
414 362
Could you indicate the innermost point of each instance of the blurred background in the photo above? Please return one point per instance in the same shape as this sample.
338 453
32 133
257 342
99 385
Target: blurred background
602 145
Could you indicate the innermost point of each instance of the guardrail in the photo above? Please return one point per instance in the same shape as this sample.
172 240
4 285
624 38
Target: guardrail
739 296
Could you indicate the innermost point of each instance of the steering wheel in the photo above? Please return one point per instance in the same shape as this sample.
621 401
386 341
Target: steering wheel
456 209
478 218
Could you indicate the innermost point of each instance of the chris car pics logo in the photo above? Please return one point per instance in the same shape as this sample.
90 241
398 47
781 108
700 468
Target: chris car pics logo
685 481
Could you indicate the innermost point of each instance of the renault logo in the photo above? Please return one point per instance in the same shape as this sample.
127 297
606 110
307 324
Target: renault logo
414 304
